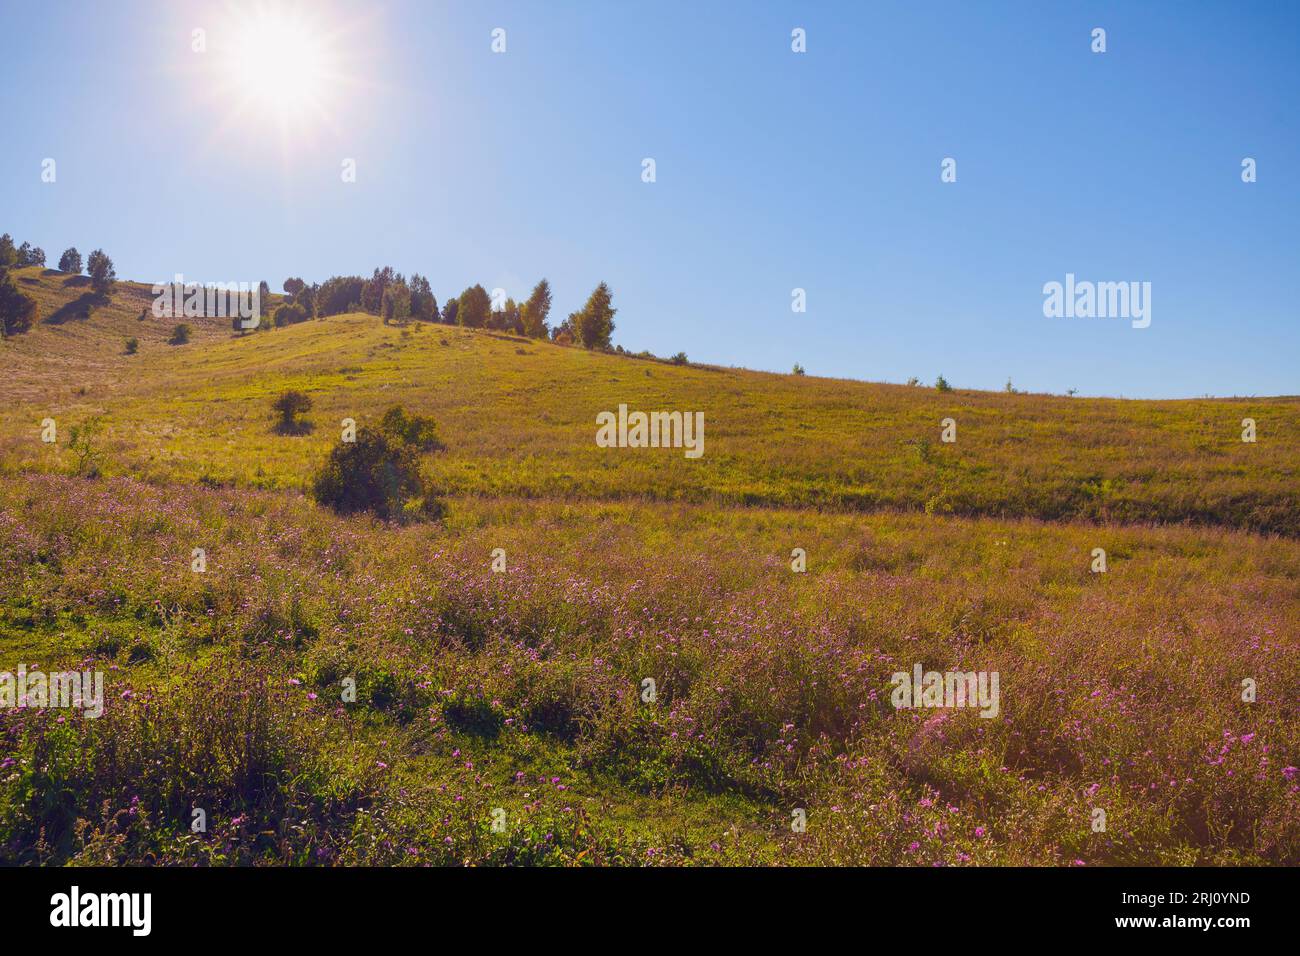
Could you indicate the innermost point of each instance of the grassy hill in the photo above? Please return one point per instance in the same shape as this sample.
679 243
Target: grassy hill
524 691
521 415
79 344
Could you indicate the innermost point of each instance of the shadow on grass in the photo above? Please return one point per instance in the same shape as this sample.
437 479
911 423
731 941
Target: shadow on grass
78 308
293 427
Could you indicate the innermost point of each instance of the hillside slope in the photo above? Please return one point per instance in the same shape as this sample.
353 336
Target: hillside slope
519 689
520 419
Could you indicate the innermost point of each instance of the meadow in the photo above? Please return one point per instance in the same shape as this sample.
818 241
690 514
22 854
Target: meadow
518 696
523 417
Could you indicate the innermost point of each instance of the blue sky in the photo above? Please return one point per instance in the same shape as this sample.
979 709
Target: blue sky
775 170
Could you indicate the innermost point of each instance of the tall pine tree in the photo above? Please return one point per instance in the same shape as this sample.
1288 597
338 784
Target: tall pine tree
594 325
536 310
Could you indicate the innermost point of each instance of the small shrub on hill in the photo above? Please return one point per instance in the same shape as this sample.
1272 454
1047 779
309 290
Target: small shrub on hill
380 472
419 431
83 441
289 406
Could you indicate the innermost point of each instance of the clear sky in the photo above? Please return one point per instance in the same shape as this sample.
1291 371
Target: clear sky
775 170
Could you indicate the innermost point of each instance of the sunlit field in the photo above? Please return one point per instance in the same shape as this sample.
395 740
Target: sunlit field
521 414
518 693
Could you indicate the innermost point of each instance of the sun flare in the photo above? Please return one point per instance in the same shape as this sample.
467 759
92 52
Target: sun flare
279 66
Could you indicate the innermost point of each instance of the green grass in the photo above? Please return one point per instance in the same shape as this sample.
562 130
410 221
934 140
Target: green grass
523 415
522 690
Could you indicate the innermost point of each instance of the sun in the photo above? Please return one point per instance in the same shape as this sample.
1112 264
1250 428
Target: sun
279 64
290 73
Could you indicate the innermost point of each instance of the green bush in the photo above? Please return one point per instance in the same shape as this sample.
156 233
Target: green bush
380 471
290 315
419 431
289 406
